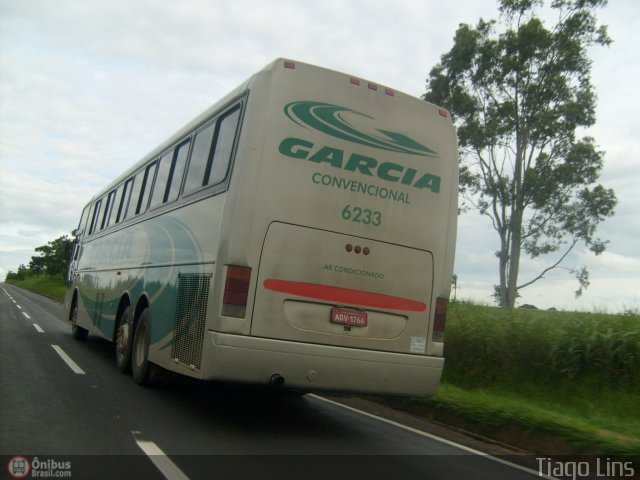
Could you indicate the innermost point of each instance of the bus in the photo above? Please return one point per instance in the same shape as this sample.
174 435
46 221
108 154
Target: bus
299 233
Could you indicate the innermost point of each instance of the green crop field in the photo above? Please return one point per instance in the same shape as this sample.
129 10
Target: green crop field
490 346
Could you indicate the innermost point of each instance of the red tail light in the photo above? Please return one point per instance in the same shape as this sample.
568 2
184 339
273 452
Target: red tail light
236 291
440 319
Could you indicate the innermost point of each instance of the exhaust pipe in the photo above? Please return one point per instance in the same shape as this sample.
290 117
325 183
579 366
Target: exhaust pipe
276 380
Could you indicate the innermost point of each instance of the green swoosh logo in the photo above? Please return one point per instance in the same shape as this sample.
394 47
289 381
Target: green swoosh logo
330 119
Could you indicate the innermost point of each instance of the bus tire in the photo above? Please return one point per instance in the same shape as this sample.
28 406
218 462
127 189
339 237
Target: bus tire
141 368
124 341
77 332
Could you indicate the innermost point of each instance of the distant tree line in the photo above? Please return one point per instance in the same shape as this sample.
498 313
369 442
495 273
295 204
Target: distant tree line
53 260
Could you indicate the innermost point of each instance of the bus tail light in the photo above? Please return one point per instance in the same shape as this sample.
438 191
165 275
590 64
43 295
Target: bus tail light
236 291
440 319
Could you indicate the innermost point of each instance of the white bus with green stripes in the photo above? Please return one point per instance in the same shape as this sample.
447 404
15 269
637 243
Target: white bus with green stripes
300 233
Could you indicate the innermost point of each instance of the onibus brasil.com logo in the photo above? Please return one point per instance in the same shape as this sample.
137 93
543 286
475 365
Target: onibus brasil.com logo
21 467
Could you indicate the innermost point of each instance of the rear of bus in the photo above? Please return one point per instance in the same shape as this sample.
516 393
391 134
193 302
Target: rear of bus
342 226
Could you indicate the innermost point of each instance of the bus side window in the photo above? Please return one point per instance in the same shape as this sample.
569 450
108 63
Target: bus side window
126 195
132 209
82 226
149 175
160 188
217 172
177 172
95 216
199 159
107 211
115 207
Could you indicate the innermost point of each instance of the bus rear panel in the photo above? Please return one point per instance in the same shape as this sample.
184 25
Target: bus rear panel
347 240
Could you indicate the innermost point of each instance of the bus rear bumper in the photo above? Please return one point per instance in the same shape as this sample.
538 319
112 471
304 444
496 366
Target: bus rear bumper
320 367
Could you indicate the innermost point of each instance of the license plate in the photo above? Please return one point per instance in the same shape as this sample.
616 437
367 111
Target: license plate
351 318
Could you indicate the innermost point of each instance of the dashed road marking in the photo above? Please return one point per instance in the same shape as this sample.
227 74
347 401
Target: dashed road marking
68 360
160 459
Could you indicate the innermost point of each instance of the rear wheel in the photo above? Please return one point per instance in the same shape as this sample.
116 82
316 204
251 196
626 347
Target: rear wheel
141 368
77 332
124 341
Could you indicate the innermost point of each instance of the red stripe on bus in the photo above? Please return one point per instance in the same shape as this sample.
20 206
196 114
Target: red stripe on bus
344 296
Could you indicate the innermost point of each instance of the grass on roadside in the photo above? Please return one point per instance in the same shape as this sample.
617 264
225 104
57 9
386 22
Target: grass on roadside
52 287
536 423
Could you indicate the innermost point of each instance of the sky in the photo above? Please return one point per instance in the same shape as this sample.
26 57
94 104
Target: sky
88 88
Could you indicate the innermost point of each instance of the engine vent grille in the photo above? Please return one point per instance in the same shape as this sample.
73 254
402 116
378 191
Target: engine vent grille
191 313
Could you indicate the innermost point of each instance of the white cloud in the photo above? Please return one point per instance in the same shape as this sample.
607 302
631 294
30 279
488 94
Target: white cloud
37 204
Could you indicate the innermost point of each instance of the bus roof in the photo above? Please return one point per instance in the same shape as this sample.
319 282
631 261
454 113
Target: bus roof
279 63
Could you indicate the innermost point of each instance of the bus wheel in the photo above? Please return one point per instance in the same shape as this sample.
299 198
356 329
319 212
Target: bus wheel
124 340
141 368
77 332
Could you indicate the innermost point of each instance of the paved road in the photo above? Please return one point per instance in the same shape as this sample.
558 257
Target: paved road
80 410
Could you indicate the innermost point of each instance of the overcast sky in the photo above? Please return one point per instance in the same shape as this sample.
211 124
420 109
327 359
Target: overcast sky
88 88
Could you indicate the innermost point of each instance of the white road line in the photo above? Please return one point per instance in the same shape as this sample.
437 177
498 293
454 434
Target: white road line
38 328
434 437
26 315
163 463
19 307
68 360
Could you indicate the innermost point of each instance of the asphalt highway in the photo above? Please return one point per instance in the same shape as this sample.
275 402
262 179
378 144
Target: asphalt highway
66 410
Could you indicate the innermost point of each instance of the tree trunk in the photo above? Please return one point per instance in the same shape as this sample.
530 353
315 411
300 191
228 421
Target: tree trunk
502 266
514 259
517 212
